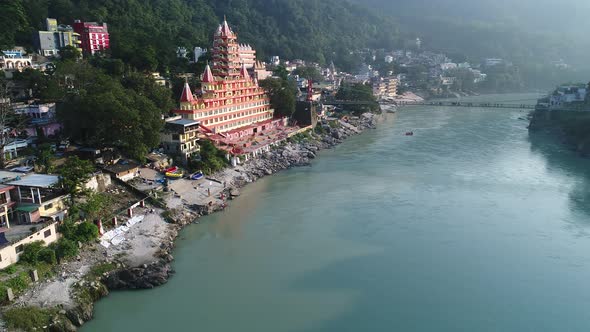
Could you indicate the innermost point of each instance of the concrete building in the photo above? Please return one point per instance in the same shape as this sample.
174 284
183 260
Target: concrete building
12 241
567 94
15 59
198 53
260 71
247 56
94 37
181 52
275 60
38 113
49 42
385 87
123 170
448 66
38 198
180 138
490 62
230 98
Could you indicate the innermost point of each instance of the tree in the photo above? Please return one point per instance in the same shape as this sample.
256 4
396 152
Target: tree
360 93
13 20
86 232
104 111
31 252
44 156
97 206
69 53
32 79
73 175
281 72
282 95
65 248
212 159
9 121
309 72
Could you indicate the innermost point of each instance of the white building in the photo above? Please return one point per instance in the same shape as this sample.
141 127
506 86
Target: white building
566 94
275 60
448 66
199 52
490 62
388 59
37 111
15 60
247 55
181 52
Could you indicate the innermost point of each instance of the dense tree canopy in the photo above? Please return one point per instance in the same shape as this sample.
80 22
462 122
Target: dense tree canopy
102 111
358 92
145 33
282 94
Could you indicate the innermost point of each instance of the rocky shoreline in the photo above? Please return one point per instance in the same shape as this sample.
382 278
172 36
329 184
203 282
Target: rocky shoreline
115 273
291 154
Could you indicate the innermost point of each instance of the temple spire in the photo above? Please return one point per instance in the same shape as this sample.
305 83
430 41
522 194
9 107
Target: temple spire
208 75
225 30
187 94
244 72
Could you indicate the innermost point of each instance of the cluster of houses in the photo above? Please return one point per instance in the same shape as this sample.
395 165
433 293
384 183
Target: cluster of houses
30 207
565 96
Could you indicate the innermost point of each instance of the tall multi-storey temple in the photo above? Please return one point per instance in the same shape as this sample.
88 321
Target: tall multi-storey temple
230 103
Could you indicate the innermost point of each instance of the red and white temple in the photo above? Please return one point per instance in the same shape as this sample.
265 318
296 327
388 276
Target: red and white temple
231 107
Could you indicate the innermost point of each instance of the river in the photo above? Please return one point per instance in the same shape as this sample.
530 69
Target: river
471 224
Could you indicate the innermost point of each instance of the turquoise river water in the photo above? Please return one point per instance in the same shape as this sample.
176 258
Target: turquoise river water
472 224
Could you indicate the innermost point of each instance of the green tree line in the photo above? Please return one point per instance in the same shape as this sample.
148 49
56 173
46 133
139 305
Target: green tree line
145 33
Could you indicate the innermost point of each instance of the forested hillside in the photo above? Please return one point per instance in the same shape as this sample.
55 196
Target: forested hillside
145 33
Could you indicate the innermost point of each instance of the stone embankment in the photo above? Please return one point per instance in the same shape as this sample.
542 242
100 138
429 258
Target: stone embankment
144 261
291 154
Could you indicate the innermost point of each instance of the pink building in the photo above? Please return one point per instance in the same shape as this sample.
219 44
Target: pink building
94 37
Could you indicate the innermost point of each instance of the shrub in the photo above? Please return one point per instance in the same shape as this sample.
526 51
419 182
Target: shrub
86 232
9 270
27 318
68 228
31 252
98 270
65 248
18 283
47 255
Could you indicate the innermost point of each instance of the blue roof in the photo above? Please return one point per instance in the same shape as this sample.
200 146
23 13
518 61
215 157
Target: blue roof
184 122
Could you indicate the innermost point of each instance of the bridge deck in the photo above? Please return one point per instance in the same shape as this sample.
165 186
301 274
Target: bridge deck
465 104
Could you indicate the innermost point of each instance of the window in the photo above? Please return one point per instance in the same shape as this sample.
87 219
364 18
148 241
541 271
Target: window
47 233
48 206
19 249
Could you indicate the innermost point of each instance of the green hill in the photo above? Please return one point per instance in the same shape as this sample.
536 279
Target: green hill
146 32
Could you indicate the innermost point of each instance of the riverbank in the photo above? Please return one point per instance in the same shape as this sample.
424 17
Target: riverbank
142 261
570 127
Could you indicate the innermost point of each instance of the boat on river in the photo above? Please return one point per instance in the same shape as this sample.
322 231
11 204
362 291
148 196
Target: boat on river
197 176
173 173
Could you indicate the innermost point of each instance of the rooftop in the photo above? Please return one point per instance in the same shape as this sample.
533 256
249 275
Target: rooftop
121 166
184 122
36 180
6 176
